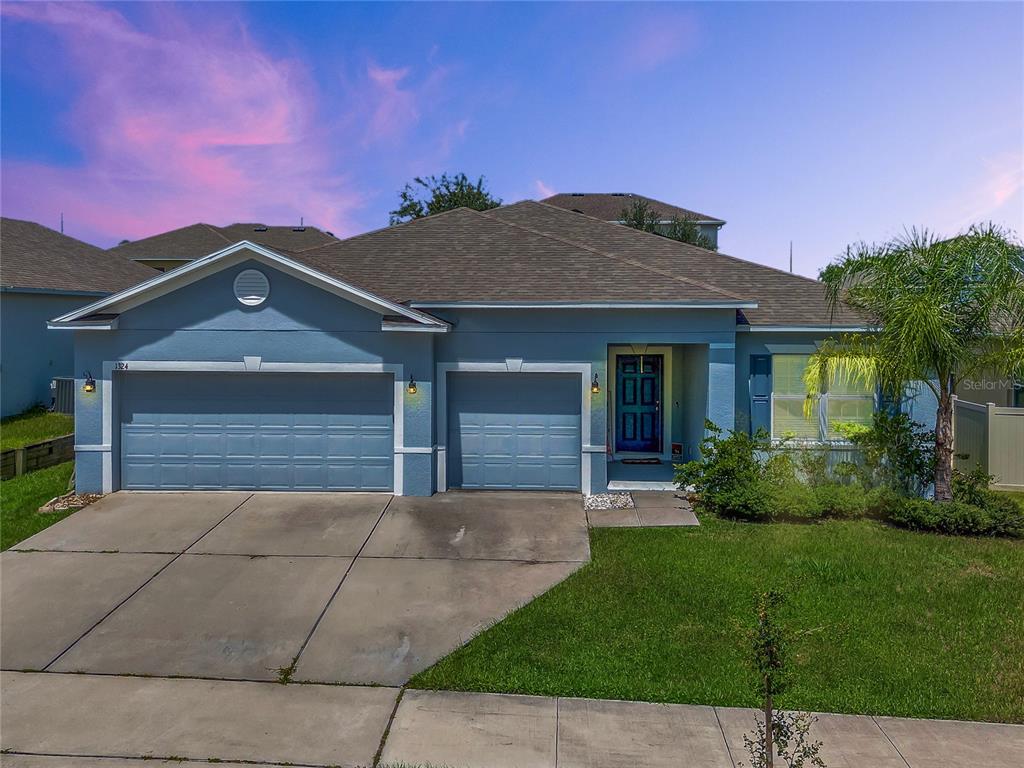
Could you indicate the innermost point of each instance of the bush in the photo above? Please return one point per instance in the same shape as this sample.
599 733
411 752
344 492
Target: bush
837 500
748 477
974 511
730 476
958 518
895 451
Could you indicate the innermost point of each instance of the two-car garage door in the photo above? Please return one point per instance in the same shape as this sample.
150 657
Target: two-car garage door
257 431
514 430
272 431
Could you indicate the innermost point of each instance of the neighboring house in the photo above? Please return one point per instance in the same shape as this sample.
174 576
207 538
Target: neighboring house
525 347
44 273
608 206
180 246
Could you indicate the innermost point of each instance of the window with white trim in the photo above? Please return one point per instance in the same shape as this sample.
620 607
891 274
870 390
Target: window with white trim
845 400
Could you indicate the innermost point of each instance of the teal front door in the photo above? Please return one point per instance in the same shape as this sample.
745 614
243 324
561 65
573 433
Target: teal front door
638 383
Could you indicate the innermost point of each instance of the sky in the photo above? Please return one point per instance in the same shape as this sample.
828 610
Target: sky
817 123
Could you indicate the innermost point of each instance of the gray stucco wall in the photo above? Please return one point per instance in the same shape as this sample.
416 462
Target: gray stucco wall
302 324
31 355
584 336
298 323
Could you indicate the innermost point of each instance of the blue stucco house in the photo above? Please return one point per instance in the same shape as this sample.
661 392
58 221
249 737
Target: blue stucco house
44 273
525 347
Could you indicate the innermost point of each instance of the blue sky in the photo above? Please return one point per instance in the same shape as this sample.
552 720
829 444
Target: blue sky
821 123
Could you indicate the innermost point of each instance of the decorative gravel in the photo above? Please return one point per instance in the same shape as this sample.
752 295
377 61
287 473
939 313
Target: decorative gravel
68 501
609 501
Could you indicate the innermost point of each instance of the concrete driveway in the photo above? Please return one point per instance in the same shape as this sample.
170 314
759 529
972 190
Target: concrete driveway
332 588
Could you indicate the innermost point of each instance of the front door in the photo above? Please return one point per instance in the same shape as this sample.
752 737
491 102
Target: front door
638 403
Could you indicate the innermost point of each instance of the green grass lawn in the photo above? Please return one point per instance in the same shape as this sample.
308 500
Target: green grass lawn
21 496
33 426
893 622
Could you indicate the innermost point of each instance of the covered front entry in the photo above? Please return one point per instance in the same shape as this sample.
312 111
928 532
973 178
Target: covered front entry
514 430
265 431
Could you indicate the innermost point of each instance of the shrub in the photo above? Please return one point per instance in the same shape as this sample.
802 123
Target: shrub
895 451
730 476
839 500
959 517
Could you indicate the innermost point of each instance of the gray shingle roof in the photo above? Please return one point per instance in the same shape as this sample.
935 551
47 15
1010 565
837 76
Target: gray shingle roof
37 257
609 205
783 298
472 256
197 240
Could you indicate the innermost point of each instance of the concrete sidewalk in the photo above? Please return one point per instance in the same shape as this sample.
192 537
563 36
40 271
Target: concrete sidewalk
52 720
475 730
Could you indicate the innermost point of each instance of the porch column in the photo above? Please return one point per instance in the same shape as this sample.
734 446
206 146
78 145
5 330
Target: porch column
722 384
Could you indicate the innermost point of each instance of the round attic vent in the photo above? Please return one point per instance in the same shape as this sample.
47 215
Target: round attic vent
251 287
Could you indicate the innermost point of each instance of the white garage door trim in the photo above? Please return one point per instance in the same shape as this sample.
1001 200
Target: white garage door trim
513 365
248 364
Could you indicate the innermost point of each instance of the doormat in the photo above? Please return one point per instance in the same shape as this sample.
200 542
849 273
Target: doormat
641 461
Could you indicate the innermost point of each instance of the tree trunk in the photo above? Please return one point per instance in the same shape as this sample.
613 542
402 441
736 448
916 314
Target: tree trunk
769 746
944 443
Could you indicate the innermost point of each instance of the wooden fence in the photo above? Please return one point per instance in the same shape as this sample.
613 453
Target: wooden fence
991 437
18 461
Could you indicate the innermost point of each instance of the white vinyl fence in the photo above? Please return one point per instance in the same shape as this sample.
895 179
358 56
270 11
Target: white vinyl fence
991 437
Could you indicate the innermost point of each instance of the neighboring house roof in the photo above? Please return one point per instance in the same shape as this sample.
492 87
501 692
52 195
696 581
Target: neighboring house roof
609 206
38 258
197 240
466 256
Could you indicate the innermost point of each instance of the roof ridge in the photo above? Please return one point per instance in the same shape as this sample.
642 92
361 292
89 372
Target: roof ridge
623 259
215 230
654 202
676 243
387 227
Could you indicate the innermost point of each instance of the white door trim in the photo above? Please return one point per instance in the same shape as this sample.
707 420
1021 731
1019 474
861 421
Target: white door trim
511 365
665 351
249 365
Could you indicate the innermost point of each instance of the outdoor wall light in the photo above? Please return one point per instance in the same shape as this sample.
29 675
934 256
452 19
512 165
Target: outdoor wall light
411 388
90 383
595 385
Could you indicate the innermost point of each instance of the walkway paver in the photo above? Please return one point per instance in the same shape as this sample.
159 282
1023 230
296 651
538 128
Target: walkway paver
50 599
138 717
653 509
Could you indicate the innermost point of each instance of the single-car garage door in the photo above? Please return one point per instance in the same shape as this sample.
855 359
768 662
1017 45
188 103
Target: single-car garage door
264 431
514 430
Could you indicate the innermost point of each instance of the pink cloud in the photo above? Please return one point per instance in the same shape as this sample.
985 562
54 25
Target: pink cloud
196 124
994 194
656 40
543 190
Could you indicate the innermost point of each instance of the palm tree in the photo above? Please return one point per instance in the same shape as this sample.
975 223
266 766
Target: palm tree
937 311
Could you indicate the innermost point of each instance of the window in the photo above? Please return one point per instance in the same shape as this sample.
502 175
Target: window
846 400
788 397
